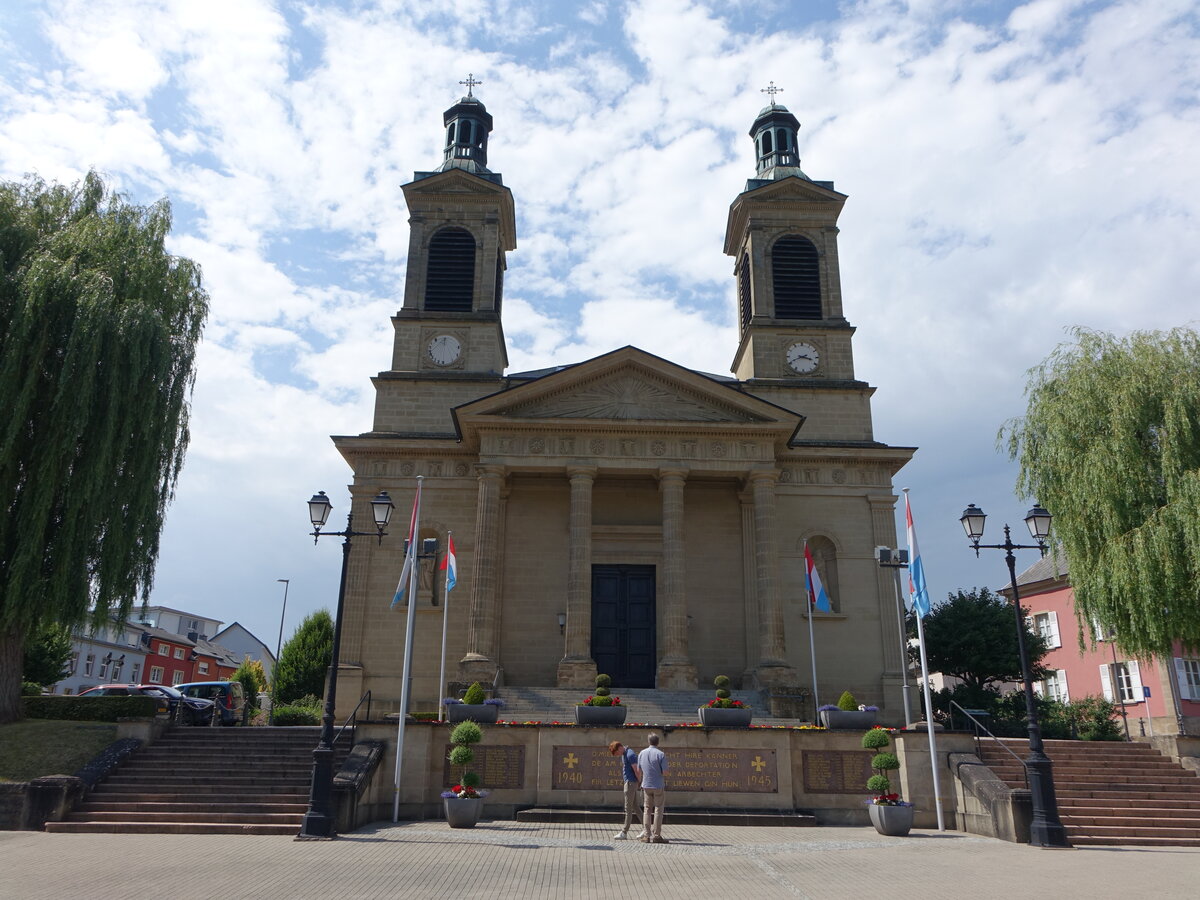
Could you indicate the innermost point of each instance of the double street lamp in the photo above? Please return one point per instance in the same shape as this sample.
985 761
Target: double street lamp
319 821
1046 829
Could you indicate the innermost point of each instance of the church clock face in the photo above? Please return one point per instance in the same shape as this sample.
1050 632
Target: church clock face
445 349
803 358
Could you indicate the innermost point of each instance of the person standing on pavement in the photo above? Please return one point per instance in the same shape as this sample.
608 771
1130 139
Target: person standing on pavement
631 777
653 765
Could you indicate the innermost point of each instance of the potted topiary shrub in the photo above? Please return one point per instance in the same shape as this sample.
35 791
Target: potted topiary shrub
722 710
602 708
464 801
848 714
474 706
889 814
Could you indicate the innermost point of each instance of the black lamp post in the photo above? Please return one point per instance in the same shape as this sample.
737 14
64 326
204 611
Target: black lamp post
319 822
1046 829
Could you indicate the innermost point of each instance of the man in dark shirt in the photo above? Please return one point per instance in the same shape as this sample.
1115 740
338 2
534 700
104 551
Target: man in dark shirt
630 777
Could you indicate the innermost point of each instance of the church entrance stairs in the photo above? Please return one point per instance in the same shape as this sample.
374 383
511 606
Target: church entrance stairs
646 705
207 781
1112 793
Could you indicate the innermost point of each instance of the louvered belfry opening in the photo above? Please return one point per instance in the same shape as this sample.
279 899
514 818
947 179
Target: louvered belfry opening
499 281
744 291
795 278
450 277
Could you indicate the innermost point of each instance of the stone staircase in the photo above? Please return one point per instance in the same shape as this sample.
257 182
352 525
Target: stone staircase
647 706
1112 793
207 781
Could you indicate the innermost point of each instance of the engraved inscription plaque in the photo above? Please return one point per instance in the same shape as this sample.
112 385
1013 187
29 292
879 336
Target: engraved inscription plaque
498 767
723 770
836 771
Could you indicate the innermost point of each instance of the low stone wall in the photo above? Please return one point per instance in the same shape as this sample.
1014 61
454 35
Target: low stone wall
771 769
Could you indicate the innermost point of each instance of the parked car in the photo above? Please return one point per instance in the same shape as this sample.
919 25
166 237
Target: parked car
229 696
194 711
184 710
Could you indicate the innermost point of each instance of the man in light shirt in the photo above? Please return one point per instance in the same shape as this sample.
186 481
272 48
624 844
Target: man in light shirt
653 765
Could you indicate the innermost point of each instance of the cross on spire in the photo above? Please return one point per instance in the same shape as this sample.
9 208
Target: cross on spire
471 82
772 91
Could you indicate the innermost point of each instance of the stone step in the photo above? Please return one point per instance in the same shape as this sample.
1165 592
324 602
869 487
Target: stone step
156 789
1104 840
783 819
647 706
221 779
219 816
288 830
1155 818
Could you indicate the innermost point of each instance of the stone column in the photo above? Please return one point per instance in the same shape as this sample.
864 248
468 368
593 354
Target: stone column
577 668
772 661
675 671
480 664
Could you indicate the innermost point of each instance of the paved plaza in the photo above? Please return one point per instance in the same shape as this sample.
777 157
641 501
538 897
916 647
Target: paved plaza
514 859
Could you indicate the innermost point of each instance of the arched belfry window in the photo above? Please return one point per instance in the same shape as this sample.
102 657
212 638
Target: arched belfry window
795 278
450 272
744 291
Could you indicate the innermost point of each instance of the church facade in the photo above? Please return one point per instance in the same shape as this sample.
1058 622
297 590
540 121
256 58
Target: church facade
625 514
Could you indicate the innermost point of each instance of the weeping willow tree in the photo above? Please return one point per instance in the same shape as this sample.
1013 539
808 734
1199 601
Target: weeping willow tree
98 332
1110 444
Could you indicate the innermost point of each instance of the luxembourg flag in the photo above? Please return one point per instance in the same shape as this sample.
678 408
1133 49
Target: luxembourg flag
816 591
916 568
410 558
450 565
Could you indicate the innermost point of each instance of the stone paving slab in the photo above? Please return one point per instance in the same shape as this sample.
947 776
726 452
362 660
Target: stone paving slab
526 860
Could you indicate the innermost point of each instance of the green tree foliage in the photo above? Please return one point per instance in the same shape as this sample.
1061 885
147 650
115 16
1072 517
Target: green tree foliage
250 673
1110 444
46 655
305 658
98 330
973 636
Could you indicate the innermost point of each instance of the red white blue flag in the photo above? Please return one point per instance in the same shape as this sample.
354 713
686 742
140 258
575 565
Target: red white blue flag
917 590
816 591
410 557
450 564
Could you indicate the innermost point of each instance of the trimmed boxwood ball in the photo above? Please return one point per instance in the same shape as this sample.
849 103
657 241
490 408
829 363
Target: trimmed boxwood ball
875 738
603 681
847 702
722 682
474 695
461 756
879 784
885 761
467 732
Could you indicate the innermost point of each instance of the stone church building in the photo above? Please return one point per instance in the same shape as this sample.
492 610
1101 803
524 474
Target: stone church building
626 514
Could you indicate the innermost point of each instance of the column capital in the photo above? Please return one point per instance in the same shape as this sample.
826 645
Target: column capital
756 476
672 473
490 470
582 471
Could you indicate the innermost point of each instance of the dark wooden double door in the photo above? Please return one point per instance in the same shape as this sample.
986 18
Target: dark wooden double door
623 624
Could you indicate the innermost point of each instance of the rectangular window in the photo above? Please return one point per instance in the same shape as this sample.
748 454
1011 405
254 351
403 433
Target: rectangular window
1188 674
118 665
203 668
1121 682
164 650
103 673
179 653
88 663
156 675
135 672
177 678
1046 624
1056 686
73 663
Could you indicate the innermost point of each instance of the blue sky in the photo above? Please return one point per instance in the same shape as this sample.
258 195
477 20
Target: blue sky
1014 169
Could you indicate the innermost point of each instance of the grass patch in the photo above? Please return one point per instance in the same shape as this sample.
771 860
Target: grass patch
36 747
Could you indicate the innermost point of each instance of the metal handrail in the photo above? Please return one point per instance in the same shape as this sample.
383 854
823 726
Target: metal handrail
979 726
352 719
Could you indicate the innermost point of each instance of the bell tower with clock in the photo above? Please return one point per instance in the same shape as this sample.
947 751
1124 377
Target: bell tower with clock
782 233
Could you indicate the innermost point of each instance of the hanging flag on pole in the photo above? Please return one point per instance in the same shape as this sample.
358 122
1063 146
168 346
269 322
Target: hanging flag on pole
450 564
410 556
817 597
917 590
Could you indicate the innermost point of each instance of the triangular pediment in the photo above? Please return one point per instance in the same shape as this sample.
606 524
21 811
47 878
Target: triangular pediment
626 387
452 181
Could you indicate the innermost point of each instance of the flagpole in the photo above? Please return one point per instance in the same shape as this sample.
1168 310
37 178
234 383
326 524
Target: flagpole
921 606
812 652
445 622
937 788
408 643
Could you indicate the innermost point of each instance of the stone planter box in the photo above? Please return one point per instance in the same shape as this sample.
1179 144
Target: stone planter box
717 717
483 713
463 812
600 715
851 719
894 821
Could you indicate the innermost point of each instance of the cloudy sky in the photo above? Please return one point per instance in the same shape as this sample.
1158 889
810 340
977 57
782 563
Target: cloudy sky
1014 169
